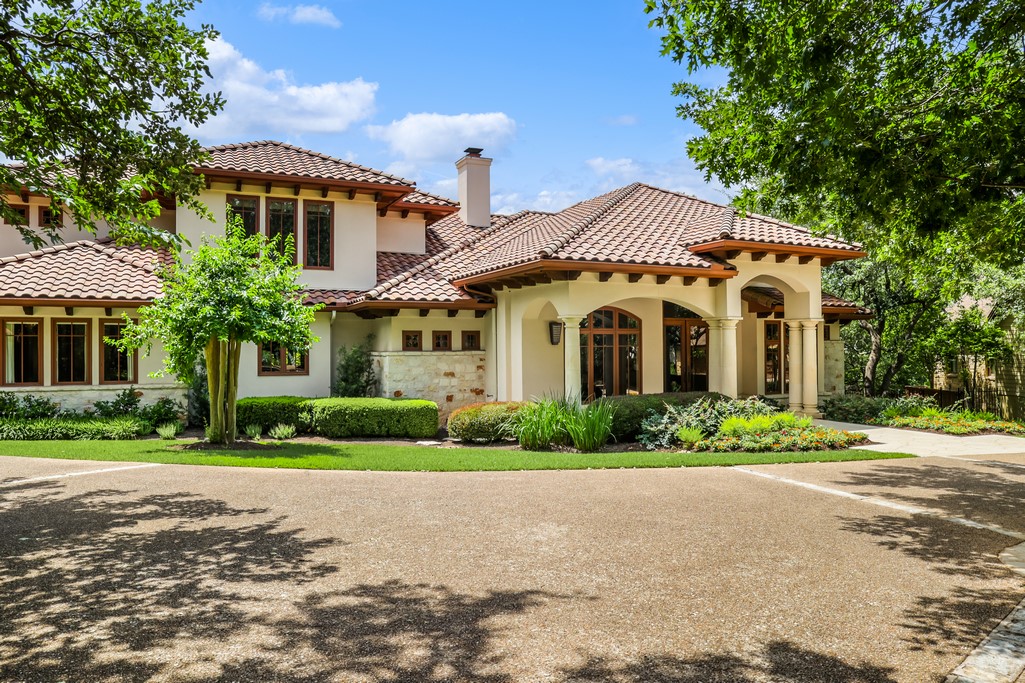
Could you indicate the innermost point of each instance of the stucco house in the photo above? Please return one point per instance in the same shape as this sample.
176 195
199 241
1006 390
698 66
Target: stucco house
637 290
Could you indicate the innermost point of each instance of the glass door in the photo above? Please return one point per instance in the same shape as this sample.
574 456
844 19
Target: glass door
686 354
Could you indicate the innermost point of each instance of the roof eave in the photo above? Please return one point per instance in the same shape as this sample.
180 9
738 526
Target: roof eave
775 248
540 266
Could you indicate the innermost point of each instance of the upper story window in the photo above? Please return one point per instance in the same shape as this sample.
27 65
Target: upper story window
23 352
21 213
319 234
281 221
248 209
71 352
47 219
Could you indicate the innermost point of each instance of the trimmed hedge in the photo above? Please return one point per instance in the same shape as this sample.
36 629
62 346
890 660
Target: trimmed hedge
77 428
268 411
483 422
345 417
631 410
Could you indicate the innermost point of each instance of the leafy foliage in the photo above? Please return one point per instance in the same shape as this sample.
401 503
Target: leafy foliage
26 406
659 431
806 439
128 403
97 94
282 432
631 410
62 428
348 417
169 431
236 289
266 411
254 430
590 427
540 425
895 121
483 422
355 375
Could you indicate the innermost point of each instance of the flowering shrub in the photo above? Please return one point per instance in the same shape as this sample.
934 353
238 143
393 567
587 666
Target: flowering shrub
790 439
956 423
659 431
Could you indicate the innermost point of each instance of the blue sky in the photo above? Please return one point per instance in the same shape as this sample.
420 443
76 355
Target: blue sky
570 99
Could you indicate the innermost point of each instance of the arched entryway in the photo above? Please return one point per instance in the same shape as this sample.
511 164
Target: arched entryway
610 353
686 349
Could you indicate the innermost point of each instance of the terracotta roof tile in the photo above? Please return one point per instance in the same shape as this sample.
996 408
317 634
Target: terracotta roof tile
421 197
770 296
279 158
83 270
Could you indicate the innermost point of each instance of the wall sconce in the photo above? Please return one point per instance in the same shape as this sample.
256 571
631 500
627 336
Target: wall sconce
555 332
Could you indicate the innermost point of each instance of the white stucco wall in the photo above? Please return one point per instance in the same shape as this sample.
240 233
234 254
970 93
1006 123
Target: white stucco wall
11 241
315 385
406 235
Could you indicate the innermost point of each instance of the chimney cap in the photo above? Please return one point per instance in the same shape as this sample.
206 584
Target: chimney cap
474 151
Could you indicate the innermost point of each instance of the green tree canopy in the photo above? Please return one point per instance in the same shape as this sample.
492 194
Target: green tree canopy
94 95
232 290
892 119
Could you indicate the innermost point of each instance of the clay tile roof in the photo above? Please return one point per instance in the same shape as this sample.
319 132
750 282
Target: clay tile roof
329 297
755 228
421 197
279 158
772 297
85 270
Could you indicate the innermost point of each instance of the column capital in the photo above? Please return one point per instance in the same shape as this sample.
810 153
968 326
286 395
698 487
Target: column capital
811 323
572 320
729 323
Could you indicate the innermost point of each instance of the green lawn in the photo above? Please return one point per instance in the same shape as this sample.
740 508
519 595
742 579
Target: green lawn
353 456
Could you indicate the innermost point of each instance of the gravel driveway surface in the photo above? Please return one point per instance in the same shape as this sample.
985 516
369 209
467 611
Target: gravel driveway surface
176 573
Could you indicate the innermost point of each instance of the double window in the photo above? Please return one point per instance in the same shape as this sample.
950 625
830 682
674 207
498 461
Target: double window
20 217
276 359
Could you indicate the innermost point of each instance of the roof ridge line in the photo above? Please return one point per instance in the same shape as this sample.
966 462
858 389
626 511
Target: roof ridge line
562 240
726 231
424 265
43 251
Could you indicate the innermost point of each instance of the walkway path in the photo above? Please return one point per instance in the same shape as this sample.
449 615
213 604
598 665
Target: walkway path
927 443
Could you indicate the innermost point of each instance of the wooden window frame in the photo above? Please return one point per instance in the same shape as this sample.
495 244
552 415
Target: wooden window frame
419 335
228 207
88 336
20 207
3 351
295 222
463 345
260 372
135 354
589 331
434 340
331 235
784 354
43 223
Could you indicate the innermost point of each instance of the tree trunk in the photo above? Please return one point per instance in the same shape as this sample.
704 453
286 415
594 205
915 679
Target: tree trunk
215 380
234 351
874 355
902 356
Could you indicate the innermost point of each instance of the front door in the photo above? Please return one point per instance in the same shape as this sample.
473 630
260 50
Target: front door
686 354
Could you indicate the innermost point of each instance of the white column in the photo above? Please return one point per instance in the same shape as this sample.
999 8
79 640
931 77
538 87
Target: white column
714 353
571 344
810 397
796 364
728 358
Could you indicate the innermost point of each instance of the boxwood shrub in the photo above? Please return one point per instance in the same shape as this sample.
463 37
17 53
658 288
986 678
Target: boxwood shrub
268 411
631 410
60 428
347 417
483 422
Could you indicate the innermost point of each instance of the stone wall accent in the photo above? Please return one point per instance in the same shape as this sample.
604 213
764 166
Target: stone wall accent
834 367
452 379
80 398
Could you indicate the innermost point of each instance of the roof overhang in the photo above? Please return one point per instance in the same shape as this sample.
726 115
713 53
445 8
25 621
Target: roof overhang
432 212
729 249
93 303
543 271
384 194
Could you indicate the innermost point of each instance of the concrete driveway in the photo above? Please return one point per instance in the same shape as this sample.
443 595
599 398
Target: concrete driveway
175 573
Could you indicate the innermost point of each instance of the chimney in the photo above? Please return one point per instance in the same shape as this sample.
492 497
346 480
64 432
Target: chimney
475 188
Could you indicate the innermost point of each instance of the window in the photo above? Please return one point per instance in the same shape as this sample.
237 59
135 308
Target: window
70 352
23 352
610 354
247 208
411 341
826 332
47 218
275 359
281 221
471 340
21 211
441 341
116 366
777 348
319 234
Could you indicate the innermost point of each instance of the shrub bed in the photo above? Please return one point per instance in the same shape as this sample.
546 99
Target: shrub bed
955 423
347 417
483 422
791 439
62 428
661 431
268 411
632 410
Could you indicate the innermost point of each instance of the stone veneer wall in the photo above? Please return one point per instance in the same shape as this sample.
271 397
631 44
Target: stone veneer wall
452 379
82 397
834 367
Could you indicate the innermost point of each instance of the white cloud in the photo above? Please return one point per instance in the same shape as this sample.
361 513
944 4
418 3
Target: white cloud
271 103
623 120
622 168
299 14
425 138
545 200
678 176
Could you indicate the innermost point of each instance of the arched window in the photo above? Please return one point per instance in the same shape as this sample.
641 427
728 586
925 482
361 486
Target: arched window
610 354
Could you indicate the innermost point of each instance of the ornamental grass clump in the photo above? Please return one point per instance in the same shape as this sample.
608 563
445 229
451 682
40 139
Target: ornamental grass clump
590 427
540 425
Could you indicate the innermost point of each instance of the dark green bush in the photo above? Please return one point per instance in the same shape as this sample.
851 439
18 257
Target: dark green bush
483 422
164 410
853 408
268 411
355 375
126 402
54 428
26 406
633 409
348 417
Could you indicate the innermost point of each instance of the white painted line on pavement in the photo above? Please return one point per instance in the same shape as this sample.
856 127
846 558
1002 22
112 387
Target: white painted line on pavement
78 474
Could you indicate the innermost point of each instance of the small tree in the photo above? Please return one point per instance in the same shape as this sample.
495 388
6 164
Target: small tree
355 375
974 340
235 290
